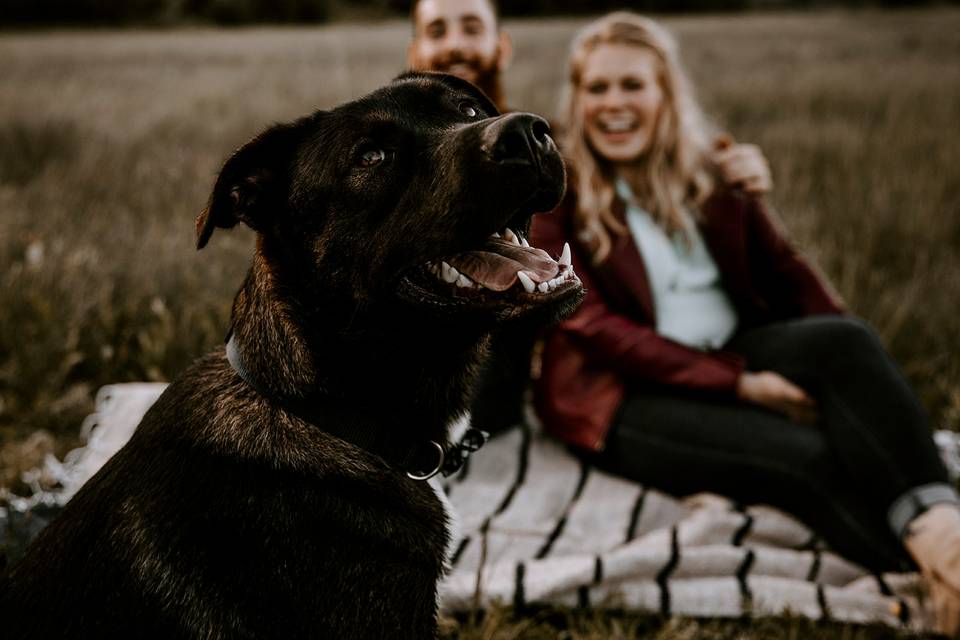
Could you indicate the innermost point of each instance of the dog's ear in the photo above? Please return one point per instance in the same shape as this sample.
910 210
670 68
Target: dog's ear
251 182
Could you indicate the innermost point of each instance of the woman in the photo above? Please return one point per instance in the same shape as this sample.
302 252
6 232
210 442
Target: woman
707 355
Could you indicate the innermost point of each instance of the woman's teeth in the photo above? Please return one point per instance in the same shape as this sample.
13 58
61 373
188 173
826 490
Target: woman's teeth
618 126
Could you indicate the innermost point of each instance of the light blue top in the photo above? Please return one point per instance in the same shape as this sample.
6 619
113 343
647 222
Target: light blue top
690 305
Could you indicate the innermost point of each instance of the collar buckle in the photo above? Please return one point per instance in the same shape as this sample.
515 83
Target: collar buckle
441 455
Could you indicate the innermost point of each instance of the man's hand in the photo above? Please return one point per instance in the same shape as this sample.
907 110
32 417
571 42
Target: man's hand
743 165
774 392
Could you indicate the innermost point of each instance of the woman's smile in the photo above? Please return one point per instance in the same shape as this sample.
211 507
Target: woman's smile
620 98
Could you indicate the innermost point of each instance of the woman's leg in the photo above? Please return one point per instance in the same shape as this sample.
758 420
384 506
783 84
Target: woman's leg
868 413
683 444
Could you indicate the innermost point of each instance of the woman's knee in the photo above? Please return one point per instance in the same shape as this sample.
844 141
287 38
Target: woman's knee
840 336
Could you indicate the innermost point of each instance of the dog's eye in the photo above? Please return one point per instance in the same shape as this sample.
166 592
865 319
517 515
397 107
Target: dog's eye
468 110
372 157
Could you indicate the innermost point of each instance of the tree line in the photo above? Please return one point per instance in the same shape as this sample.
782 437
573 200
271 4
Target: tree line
238 12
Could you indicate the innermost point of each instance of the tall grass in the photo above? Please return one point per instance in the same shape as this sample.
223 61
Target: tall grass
109 143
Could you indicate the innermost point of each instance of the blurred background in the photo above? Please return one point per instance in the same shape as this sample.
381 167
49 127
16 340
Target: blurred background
115 116
234 12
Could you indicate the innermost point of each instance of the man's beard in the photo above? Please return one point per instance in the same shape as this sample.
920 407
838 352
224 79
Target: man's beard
487 75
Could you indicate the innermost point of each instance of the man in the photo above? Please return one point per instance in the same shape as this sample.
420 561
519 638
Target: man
464 38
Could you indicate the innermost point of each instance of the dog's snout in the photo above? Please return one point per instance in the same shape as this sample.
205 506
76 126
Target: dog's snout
517 137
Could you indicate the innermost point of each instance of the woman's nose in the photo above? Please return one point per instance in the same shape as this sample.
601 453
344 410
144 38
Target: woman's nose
613 98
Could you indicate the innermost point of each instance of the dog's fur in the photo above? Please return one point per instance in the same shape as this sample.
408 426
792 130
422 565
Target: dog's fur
228 516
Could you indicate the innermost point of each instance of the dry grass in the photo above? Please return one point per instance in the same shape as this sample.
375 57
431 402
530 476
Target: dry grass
109 142
556 624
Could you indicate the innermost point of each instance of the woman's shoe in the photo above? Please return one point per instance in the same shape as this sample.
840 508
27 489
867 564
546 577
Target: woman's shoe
933 539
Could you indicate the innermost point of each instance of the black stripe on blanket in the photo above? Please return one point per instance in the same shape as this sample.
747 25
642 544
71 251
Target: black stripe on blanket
519 601
746 596
522 462
814 571
635 515
562 520
903 612
742 532
521 472
459 552
583 597
583 591
664 575
460 476
882 585
464 470
822 601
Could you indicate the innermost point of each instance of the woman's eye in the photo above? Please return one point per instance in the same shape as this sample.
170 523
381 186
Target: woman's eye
596 87
468 110
631 84
372 157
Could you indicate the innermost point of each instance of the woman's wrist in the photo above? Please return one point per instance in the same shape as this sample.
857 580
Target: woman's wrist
743 386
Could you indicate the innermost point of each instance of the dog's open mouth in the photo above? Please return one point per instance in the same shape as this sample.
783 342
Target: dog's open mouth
506 261
504 269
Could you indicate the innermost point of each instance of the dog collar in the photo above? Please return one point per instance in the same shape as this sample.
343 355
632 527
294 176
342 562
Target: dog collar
420 461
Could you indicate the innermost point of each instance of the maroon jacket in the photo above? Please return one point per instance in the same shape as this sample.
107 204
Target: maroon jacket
610 343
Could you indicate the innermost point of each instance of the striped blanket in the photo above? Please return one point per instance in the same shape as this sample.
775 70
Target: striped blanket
534 525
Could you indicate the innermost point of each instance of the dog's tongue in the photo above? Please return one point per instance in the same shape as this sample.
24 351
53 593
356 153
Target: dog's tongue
496 265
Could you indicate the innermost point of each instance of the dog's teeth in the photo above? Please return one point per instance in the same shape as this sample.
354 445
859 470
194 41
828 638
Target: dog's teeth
526 281
565 255
449 273
508 234
524 243
543 287
464 281
495 235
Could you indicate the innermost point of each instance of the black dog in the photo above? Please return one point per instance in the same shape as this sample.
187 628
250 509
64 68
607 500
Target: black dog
276 492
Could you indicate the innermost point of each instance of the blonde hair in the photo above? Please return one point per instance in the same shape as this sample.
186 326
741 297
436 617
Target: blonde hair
673 176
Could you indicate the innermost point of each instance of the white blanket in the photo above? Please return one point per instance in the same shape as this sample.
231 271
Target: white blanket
536 526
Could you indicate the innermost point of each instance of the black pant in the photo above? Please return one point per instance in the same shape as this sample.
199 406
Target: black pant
872 442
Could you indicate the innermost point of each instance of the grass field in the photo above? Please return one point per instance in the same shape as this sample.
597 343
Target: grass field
109 143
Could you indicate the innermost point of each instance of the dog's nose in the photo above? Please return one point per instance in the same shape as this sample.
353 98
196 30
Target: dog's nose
517 137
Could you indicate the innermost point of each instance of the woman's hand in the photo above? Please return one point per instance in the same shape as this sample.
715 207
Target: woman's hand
743 165
774 392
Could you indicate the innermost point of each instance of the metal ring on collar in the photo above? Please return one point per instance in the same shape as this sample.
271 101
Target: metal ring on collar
426 476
